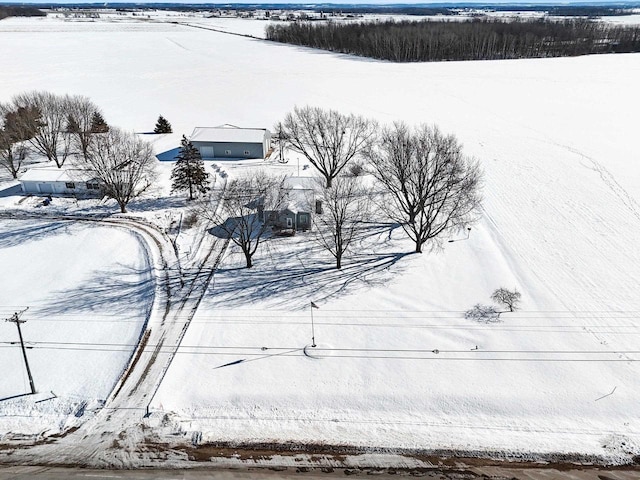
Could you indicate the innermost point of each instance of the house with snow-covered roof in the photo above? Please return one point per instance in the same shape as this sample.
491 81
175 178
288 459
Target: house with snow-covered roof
231 142
298 207
59 181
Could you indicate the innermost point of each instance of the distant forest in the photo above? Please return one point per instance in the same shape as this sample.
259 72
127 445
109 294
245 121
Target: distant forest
11 11
477 39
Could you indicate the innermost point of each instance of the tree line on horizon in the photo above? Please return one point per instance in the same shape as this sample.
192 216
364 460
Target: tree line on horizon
7 11
476 39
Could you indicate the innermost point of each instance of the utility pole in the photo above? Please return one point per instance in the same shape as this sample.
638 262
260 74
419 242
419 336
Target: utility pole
15 318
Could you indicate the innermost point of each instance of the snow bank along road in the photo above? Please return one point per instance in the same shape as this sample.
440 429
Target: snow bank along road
179 290
460 472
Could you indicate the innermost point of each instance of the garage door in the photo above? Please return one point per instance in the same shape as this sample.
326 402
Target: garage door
45 188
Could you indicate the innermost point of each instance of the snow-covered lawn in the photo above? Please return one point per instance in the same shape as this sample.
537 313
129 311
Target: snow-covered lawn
557 139
89 291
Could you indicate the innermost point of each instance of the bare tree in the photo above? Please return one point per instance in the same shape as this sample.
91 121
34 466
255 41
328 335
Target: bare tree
281 141
345 208
433 187
509 298
238 210
51 137
483 313
80 123
327 138
123 163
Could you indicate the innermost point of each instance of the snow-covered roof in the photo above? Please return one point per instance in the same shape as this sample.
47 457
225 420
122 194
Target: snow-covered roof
300 183
229 133
54 175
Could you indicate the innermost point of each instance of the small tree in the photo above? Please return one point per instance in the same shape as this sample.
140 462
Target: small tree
188 173
237 210
327 138
98 123
14 130
281 140
509 298
124 164
483 313
82 114
162 126
345 207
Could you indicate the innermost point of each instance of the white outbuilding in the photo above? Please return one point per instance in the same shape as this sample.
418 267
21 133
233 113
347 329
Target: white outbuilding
231 142
58 181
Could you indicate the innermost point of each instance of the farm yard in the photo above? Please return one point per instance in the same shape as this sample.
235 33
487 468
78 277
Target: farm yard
397 365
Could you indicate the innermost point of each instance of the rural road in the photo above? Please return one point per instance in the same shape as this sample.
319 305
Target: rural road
462 473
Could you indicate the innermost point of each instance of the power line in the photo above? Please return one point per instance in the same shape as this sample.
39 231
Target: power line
354 353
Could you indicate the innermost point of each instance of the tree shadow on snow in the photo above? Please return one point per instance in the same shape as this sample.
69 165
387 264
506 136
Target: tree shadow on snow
19 233
160 203
118 292
299 280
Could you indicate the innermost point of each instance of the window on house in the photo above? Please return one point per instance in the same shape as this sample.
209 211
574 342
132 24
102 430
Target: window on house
247 153
92 186
319 207
227 152
70 185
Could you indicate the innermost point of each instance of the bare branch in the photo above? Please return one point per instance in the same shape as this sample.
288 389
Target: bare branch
238 210
327 138
123 163
433 187
345 208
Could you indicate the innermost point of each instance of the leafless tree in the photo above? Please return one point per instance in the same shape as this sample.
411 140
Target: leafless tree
123 163
483 313
238 209
327 138
345 208
433 187
81 113
51 138
509 298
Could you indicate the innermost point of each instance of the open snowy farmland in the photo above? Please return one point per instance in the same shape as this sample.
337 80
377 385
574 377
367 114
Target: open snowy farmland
397 365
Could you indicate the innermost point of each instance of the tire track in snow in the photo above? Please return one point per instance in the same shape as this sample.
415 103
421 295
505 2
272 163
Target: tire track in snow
572 240
608 179
108 429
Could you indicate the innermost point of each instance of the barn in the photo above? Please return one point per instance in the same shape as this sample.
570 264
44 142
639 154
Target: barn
56 181
231 142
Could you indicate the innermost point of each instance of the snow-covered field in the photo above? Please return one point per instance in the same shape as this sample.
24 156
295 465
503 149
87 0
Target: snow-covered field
557 139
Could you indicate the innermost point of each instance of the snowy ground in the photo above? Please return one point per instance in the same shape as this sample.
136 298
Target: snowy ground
87 288
557 141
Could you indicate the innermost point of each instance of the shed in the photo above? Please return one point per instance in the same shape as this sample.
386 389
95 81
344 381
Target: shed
231 142
56 181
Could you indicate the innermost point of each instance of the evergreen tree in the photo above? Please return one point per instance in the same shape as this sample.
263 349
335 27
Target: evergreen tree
98 125
188 173
72 124
162 126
